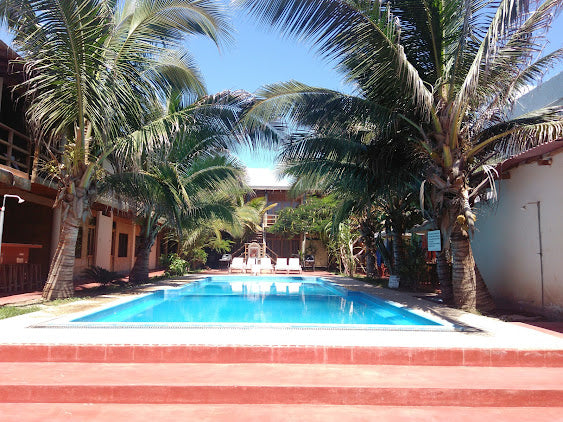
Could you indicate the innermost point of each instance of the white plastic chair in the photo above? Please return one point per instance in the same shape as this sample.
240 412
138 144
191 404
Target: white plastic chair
293 265
250 263
266 265
237 264
281 265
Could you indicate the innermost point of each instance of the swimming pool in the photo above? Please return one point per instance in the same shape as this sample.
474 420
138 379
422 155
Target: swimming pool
247 300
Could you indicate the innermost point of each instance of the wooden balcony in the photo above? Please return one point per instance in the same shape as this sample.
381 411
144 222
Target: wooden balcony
15 149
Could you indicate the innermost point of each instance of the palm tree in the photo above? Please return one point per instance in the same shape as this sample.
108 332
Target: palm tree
338 157
445 72
173 193
93 69
176 176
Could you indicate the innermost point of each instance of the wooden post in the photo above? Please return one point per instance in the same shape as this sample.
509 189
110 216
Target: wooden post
10 145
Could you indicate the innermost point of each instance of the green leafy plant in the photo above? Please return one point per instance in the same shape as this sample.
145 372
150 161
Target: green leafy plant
175 265
100 275
415 273
196 258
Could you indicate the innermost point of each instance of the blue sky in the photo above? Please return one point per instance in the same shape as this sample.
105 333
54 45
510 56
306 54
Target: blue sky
259 56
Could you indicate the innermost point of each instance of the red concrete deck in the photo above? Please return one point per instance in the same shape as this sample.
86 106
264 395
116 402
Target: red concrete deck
54 412
352 355
175 383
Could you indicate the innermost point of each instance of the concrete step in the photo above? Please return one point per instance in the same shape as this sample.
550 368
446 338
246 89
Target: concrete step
54 412
152 353
188 383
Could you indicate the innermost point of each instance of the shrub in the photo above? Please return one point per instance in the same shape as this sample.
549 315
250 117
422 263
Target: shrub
176 265
197 258
100 275
415 273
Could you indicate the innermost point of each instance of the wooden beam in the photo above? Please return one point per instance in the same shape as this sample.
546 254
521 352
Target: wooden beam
29 197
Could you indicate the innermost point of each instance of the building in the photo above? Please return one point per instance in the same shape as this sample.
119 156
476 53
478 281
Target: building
266 184
519 238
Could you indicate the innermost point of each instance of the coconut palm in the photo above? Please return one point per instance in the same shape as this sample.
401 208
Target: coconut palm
339 157
173 176
174 193
445 72
93 68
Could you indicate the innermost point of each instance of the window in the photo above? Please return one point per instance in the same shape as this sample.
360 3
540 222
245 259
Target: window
122 245
78 248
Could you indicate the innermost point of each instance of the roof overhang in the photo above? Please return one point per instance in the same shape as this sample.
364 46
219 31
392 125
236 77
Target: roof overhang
541 154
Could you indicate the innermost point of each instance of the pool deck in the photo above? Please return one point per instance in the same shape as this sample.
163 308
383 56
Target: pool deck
493 370
480 332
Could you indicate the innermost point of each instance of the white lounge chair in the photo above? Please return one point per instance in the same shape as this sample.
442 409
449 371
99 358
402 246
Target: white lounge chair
237 264
266 265
293 265
281 266
250 264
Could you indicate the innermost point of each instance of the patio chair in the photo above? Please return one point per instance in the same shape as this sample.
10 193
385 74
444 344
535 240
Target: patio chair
266 265
237 265
281 266
293 265
250 263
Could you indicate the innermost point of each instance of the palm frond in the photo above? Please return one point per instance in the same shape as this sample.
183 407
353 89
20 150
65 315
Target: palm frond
508 16
521 133
364 41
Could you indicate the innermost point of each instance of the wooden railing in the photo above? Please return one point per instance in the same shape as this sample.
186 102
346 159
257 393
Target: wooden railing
15 149
272 254
19 278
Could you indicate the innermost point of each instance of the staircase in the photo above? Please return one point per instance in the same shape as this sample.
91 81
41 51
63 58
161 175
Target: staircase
236 383
256 238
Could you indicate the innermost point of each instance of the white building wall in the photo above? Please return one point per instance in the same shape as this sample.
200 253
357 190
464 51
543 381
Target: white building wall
506 243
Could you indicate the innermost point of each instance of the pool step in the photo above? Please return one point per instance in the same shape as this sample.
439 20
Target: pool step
52 412
279 384
150 353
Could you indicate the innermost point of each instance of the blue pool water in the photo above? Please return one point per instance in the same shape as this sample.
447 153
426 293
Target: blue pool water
244 299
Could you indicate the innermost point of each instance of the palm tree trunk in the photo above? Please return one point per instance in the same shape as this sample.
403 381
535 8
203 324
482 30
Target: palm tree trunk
344 261
444 276
369 242
463 272
140 271
60 282
397 255
484 300
35 164
370 263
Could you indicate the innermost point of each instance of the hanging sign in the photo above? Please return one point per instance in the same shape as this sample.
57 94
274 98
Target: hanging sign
434 241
